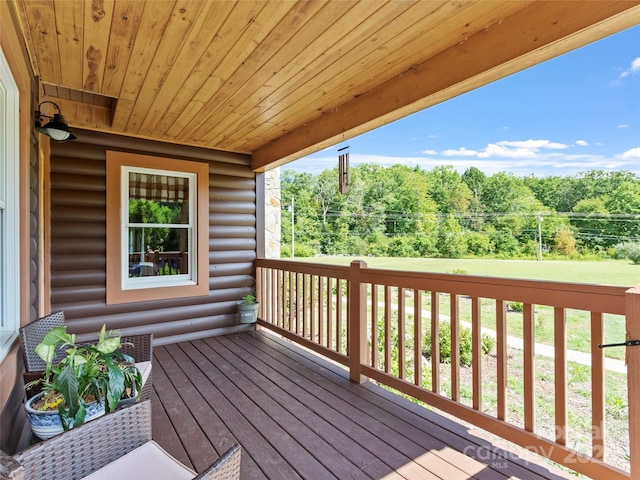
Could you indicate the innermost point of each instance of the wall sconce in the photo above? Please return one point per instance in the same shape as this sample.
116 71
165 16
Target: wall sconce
56 128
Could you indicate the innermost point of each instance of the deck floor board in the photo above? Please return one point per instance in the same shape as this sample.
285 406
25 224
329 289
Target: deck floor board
297 415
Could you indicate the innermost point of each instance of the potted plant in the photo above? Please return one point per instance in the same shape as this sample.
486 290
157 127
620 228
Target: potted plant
89 380
248 309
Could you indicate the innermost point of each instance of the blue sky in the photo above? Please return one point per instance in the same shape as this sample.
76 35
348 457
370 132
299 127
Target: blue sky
577 112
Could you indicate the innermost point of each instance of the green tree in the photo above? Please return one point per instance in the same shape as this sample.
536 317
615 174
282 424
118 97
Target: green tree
475 180
451 241
592 224
448 190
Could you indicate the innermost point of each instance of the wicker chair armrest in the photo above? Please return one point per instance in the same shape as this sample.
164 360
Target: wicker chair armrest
9 468
140 347
80 451
227 467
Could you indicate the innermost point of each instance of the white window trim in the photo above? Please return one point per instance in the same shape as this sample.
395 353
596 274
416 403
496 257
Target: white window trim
160 280
9 203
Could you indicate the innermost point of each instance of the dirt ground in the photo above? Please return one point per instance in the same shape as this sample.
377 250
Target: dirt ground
578 399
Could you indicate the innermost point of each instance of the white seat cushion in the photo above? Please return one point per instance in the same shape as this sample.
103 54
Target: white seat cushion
145 370
147 462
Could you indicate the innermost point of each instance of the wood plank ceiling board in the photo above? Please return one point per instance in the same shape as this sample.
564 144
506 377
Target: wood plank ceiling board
205 28
176 31
281 79
388 68
69 32
359 56
42 25
337 58
125 22
155 17
288 40
224 76
284 68
202 77
96 44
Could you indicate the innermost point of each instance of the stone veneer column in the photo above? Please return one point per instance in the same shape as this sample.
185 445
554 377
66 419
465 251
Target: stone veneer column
272 215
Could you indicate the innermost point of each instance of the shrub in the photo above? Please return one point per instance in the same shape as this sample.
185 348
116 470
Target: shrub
564 242
515 306
478 243
630 250
465 340
305 251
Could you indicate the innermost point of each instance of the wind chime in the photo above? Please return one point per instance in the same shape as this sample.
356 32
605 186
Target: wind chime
343 169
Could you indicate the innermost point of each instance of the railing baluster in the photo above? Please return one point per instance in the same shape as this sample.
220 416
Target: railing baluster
417 336
321 336
375 358
455 347
597 387
272 296
402 353
281 292
501 352
339 316
291 301
560 368
529 367
305 299
387 329
314 297
329 343
297 305
476 352
435 342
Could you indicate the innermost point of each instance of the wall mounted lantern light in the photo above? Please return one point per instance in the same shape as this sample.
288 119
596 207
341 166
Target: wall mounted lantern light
56 128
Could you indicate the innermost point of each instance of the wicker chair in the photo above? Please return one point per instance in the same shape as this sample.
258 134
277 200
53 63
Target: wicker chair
137 346
117 445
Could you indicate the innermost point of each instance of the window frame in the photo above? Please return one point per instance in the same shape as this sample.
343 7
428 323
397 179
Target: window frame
117 244
10 273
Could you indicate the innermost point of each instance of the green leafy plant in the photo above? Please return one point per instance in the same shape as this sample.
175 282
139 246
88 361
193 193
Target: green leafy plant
465 340
86 373
249 299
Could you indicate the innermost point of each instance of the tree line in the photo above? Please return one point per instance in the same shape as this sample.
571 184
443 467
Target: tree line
410 212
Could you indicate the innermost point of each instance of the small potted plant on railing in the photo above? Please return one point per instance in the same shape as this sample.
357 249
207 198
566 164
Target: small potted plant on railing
89 380
248 309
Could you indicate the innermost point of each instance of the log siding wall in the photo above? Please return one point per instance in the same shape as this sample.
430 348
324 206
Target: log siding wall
78 242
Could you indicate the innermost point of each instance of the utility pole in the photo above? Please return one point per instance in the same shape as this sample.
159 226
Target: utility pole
293 226
539 237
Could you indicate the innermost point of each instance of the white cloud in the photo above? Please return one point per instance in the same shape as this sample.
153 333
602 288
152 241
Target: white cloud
429 152
633 154
533 144
634 68
504 151
546 163
582 143
623 126
462 152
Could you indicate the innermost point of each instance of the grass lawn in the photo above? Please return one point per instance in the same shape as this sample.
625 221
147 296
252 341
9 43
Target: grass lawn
578 322
609 272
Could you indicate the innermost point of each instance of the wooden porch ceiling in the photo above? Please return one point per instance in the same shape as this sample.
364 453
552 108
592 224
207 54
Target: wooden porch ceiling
281 79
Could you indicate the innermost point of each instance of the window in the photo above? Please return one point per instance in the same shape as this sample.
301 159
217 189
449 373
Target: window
157 228
9 219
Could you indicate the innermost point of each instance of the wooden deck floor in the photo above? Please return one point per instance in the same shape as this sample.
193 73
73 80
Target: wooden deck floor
298 416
